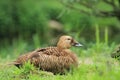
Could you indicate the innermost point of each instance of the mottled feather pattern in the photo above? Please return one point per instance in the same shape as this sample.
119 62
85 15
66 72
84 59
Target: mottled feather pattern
54 59
49 51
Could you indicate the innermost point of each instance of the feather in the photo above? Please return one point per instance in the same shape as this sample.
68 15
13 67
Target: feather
56 59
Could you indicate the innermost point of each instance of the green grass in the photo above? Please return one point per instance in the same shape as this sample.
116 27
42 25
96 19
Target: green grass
95 64
102 68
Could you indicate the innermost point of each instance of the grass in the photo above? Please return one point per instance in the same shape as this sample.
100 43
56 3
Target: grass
95 64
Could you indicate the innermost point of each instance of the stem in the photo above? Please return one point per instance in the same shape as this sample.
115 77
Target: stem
97 35
106 35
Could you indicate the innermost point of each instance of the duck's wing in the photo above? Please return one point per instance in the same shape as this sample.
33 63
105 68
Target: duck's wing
51 51
51 59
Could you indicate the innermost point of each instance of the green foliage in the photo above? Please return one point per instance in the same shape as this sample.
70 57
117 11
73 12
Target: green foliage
106 35
36 40
97 35
24 71
27 68
27 18
24 26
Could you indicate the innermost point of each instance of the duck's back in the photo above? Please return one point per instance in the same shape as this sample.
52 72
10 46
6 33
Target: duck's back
50 59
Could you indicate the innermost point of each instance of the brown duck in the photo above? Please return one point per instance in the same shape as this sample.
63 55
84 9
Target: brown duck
56 59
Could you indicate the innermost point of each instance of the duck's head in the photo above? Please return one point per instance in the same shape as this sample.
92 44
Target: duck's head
66 42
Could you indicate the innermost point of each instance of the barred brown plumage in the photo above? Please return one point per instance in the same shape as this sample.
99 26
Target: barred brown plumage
54 59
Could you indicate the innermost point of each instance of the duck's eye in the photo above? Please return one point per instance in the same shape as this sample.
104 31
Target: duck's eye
68 39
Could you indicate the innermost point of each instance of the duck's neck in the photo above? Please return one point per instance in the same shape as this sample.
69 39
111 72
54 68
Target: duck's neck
61 48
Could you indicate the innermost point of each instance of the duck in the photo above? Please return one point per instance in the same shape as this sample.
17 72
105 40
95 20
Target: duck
57 59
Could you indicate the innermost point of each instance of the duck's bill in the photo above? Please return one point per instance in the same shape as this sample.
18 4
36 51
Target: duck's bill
78 45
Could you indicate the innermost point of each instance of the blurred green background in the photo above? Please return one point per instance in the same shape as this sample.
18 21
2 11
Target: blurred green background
29 24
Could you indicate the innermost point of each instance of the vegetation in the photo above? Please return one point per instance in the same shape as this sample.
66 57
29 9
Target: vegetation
29 24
